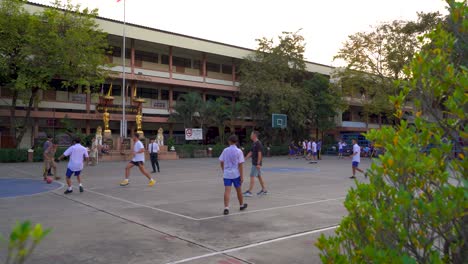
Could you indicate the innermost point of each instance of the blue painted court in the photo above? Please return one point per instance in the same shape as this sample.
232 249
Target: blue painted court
22 187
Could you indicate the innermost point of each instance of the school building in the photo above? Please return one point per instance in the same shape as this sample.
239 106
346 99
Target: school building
159 67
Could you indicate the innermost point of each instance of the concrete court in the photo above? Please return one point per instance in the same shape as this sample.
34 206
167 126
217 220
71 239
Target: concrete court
180 220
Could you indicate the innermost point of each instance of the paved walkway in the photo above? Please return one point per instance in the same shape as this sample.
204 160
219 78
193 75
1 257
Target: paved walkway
180 220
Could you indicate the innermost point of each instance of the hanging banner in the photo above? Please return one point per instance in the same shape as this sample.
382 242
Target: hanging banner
193 134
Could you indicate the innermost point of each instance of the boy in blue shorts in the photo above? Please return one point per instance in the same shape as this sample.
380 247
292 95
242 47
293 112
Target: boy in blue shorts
232 160
356 156
77 154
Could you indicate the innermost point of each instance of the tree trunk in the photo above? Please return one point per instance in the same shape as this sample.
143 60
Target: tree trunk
27 118
13 115
316 133
380 120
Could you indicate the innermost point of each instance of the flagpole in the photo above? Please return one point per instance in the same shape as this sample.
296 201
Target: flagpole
123 128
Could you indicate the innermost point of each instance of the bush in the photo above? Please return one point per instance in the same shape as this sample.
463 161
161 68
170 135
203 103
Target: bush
278 150
217 150
415 208
13 155
38 153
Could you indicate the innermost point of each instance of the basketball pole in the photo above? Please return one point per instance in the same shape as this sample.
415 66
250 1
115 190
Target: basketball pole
123 127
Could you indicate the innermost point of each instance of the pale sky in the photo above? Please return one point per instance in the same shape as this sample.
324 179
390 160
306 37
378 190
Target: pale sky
325 24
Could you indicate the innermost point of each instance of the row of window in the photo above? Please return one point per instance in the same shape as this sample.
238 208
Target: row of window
176 61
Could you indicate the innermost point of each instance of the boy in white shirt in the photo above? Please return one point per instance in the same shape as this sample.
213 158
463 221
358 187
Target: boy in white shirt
341 146
314 149
356 159
77 153
138 160
232 160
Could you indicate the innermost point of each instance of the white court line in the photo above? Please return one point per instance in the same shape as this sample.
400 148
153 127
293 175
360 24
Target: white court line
273 208
142 205
254 245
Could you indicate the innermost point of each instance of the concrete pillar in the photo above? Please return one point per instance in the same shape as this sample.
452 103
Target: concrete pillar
170 62
132 55
204 95
88 102
204 66
171 130
88 127
171 94
233 73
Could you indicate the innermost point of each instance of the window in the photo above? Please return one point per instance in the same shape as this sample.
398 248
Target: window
146 56
197 64
164 94
181 62
176 95
227 69
165 59
114 51
213 67
346 116
151 93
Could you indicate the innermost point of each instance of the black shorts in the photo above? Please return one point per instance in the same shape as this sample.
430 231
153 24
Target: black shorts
137 163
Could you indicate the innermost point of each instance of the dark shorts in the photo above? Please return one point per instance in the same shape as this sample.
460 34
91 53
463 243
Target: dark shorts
355 164
340 151
137 163
309 151
236 182
292 152
315 153
70 173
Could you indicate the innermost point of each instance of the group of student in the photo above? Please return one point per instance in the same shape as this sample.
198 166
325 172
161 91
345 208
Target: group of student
309 149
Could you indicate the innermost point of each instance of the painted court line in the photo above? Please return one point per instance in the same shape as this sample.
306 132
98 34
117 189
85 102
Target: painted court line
142 205
273 208
227 251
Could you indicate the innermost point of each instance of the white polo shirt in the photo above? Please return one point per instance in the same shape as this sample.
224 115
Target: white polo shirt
77 153
153 147
232 157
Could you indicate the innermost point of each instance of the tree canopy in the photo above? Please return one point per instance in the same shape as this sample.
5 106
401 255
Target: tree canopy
415 208
62 42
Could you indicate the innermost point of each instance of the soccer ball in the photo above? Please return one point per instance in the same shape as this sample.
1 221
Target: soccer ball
49 180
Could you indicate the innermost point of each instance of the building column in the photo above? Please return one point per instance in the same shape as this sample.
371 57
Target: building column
88 102
88 127
36 128
233 73
170 62
171 130
204 95
204 67
132 55
171 94
132 90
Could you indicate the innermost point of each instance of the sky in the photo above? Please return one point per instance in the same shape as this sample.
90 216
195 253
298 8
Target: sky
325 24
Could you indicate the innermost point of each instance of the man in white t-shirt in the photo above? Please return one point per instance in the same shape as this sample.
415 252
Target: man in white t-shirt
341 145
356 156
314 149
232 160
77 154
138 160
309 149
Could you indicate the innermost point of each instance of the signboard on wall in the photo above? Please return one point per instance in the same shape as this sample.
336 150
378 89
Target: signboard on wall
117 109
193 134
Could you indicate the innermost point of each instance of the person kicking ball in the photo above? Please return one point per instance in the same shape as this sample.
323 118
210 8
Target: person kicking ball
76 153
232 160
137 160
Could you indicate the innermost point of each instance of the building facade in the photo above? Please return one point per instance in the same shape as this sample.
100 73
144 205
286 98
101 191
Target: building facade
159 67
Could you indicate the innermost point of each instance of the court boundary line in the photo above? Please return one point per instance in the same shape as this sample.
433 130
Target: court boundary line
272 208
216 216
145 206
227 251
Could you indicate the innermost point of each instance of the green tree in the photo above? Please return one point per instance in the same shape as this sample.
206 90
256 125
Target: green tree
62 42
376 59
188 106
415 208
323 103
220 110
271 80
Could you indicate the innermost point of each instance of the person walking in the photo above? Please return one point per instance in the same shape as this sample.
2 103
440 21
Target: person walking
137 160
356 156
76 153
49 161
257 158
154 150
341 145
45 147
231 161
